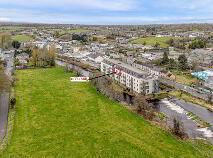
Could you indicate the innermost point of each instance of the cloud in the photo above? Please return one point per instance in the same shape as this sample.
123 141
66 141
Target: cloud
26 15
2 19
107 11
196 5
115 5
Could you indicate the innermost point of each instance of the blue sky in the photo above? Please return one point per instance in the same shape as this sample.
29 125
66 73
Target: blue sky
107 11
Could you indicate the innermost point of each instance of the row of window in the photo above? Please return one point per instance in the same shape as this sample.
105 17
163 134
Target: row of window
128 81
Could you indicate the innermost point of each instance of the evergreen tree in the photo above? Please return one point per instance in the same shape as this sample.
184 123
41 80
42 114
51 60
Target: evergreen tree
183 62
165 59
16 44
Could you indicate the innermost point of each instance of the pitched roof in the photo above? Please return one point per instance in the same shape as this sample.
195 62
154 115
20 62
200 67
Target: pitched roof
95 55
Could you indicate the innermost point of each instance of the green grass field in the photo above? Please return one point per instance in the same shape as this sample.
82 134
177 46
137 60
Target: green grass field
59 118
68 31
13 28
186 79
152 41
22 38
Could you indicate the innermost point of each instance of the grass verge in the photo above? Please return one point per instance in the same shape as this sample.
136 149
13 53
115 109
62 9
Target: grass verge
186 79
11 116
189 98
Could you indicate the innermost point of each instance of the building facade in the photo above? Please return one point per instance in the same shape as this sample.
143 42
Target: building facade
133 78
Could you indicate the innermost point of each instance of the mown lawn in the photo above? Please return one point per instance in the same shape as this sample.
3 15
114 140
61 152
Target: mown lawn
59 118
152 41
22 38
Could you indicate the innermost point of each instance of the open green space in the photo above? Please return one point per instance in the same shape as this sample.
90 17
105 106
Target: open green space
59 118
13 28
186 79
21 38
152 41
68 31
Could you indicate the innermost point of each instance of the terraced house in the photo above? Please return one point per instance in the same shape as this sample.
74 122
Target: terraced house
136 80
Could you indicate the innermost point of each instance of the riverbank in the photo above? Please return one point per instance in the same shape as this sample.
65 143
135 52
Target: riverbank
51 121
189 98
196 120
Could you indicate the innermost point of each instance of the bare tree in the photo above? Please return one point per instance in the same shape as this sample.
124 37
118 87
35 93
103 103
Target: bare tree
178 128
143 107
44 56
210 98
4 40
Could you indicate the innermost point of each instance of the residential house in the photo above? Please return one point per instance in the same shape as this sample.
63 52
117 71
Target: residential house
23 58
96 57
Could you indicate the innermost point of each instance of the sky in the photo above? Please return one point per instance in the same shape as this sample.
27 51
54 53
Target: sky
103 12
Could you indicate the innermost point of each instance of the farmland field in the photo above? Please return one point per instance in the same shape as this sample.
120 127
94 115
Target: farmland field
59 118
13 28
21 38
152 41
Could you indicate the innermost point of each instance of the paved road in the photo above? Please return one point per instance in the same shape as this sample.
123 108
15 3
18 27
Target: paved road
4 98
200 111
188 89
10 66
179 109
3 113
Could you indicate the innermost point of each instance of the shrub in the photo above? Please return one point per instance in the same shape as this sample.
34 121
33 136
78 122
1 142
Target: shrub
178 129
12 102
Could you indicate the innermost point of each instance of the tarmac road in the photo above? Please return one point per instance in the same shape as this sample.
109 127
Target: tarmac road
3 113
4 96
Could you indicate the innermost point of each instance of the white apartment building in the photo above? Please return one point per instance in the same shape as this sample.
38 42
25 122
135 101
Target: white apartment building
137 80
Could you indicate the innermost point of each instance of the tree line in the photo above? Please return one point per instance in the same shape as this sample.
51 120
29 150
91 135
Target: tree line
181 63
43 56
187 43
5 40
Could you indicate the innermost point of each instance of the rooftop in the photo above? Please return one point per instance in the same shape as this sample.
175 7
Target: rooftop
207 51
128 67
95 55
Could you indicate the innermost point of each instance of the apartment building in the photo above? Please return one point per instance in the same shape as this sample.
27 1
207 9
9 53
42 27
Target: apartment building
137 80
148 68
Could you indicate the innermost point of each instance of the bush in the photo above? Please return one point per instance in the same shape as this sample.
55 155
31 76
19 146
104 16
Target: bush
12 102
178 129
